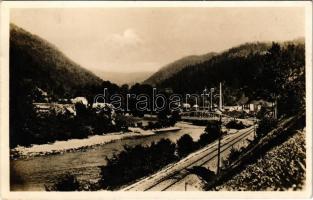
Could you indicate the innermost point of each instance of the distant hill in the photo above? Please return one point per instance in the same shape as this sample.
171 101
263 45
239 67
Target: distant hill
121 78
37 61
176 66
241 69
242 51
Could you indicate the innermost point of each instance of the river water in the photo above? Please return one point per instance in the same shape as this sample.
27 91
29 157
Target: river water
32 174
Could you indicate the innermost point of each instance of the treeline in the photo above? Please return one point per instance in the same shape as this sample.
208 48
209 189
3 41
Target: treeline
270 73
42 128
28 127
130 97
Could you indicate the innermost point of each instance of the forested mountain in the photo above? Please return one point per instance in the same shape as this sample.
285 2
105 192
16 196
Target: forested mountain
254 70
175 67
41 64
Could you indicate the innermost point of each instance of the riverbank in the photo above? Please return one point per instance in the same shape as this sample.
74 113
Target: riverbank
71 145
32 173
60 147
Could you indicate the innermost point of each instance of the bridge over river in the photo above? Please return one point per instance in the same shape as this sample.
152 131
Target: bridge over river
203 115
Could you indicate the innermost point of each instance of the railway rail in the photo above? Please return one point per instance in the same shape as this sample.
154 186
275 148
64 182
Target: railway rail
181 168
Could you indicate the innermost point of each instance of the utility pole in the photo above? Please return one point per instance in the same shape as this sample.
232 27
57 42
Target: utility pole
219 148
212 90
221 101
218 155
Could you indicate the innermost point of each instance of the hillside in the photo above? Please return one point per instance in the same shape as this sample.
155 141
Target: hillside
121 78
248 69
171 69
37 61
266 174
276 162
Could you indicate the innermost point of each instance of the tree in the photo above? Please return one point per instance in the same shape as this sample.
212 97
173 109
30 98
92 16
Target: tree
205 139
265 125
136 162
174 118
213 128
67 182
285 77
185 145
22 112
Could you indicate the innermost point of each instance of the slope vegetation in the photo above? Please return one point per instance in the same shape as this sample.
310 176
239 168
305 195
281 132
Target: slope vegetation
251 69
35 60
171 69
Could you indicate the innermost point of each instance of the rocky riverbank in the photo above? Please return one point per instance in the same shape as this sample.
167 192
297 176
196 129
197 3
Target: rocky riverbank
60 147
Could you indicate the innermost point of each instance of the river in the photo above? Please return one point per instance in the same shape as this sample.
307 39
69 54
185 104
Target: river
31 174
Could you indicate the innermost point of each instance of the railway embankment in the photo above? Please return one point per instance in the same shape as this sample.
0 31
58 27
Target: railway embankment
275 162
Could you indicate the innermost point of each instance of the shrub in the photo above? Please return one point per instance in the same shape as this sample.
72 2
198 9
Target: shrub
237 114
139 124
136 162
82 132
235 125
205 139
185 145
123 168
101 122
122 122
174 118
67 182
204 173
265 125
213 128
262 113
233 156
150 125
162 152
212 132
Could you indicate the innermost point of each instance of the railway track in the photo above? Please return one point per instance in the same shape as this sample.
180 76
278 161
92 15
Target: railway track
169 179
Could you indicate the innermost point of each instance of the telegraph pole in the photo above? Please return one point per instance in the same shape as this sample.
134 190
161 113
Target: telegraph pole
218 155
219 147
212 90
221 101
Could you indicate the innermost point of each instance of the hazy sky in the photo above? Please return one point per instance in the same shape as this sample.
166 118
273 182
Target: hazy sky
137 39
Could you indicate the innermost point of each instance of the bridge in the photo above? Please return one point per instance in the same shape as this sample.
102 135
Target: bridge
204 115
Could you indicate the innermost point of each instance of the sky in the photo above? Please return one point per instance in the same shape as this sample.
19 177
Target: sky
145 39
